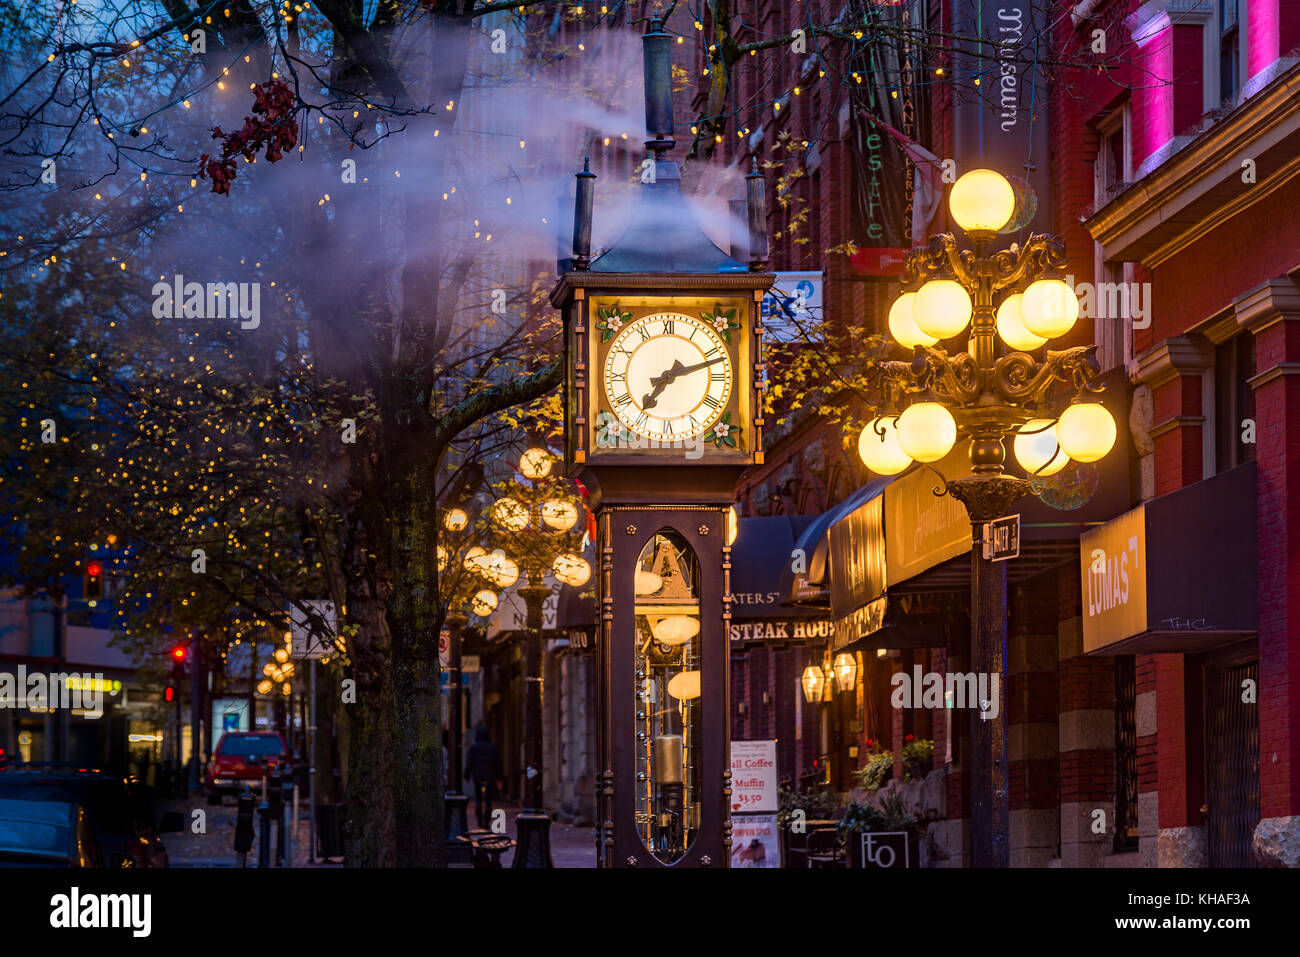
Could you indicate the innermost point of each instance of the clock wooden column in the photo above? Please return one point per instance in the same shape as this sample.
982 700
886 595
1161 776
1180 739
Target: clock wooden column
662 415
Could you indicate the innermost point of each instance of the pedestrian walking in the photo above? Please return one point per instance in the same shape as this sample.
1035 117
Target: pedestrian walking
483 765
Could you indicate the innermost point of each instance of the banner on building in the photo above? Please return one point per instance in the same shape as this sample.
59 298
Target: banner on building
1001 122
884 69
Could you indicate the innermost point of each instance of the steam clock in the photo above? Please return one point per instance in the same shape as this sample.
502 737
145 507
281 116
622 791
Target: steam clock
663 414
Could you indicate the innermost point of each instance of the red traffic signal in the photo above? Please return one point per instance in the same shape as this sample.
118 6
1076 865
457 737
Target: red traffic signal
169 693
178 653
94 581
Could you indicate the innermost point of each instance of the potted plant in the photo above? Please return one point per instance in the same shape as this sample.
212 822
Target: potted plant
878 769
918 757
892 815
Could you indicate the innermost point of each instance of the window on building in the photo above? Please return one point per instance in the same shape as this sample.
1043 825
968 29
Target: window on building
1112 168
1229 51
1234 402
1126 779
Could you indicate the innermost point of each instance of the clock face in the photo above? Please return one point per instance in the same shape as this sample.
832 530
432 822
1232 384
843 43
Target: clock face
668 376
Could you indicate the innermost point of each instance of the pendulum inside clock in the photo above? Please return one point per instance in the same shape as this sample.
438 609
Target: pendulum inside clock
668 694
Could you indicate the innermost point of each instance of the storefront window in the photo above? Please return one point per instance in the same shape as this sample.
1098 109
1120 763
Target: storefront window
667 695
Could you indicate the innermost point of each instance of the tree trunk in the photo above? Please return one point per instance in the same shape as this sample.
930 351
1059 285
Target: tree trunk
414 620
372 825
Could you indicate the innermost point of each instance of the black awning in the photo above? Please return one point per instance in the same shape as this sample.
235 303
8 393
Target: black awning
1177 574
812 549
763 550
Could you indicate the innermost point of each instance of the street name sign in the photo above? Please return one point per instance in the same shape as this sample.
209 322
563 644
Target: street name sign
1002 538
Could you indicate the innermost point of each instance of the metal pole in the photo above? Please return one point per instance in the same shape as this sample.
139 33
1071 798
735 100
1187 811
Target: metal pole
990 814
178 774
534 596
63 719
196 697
311 766
264 834
533 824
454 719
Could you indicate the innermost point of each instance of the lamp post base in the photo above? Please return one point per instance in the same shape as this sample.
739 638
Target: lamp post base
454 811
533 847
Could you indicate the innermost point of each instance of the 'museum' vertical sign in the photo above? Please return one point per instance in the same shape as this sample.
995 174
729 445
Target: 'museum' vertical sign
1001 122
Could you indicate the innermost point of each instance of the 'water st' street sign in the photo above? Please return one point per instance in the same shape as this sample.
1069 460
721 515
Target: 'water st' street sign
1002 538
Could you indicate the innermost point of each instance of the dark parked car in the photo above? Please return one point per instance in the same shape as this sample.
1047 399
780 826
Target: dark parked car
120 808
46 834
241 760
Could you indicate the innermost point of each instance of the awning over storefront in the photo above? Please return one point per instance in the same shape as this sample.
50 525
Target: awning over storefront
805 579
763 551
857 562
864 614
1176 574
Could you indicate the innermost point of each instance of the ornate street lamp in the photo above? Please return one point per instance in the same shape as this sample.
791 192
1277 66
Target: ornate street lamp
537 522
1002 386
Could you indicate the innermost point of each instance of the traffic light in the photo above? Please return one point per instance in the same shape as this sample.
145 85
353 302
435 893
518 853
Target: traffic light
169 694
179 653
94 585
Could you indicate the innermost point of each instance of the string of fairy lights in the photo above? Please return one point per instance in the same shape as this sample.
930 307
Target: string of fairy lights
207 455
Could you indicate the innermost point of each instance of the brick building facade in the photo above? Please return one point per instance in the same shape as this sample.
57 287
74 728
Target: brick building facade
1114 757
1172 178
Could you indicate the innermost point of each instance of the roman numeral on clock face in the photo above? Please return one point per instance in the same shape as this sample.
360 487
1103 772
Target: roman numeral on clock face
668 327
641 421
711 402
713 353
644 333
624 399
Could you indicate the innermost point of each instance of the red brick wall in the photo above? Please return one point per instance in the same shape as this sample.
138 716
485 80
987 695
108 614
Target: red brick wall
1277 412
1202 280
1179 739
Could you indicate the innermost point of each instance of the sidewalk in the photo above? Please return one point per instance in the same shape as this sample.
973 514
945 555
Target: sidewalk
215 847
570 846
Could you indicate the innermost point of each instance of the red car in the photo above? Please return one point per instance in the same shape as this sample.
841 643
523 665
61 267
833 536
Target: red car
244 758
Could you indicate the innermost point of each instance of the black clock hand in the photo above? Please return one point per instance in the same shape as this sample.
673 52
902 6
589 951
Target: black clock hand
649 400
680 370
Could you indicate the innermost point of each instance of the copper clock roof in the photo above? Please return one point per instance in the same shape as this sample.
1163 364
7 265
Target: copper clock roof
664 236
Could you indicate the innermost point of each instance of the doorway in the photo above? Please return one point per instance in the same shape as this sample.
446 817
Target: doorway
1231 759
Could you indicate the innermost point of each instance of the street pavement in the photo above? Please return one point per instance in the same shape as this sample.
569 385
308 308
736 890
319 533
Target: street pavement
570 846
214 847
